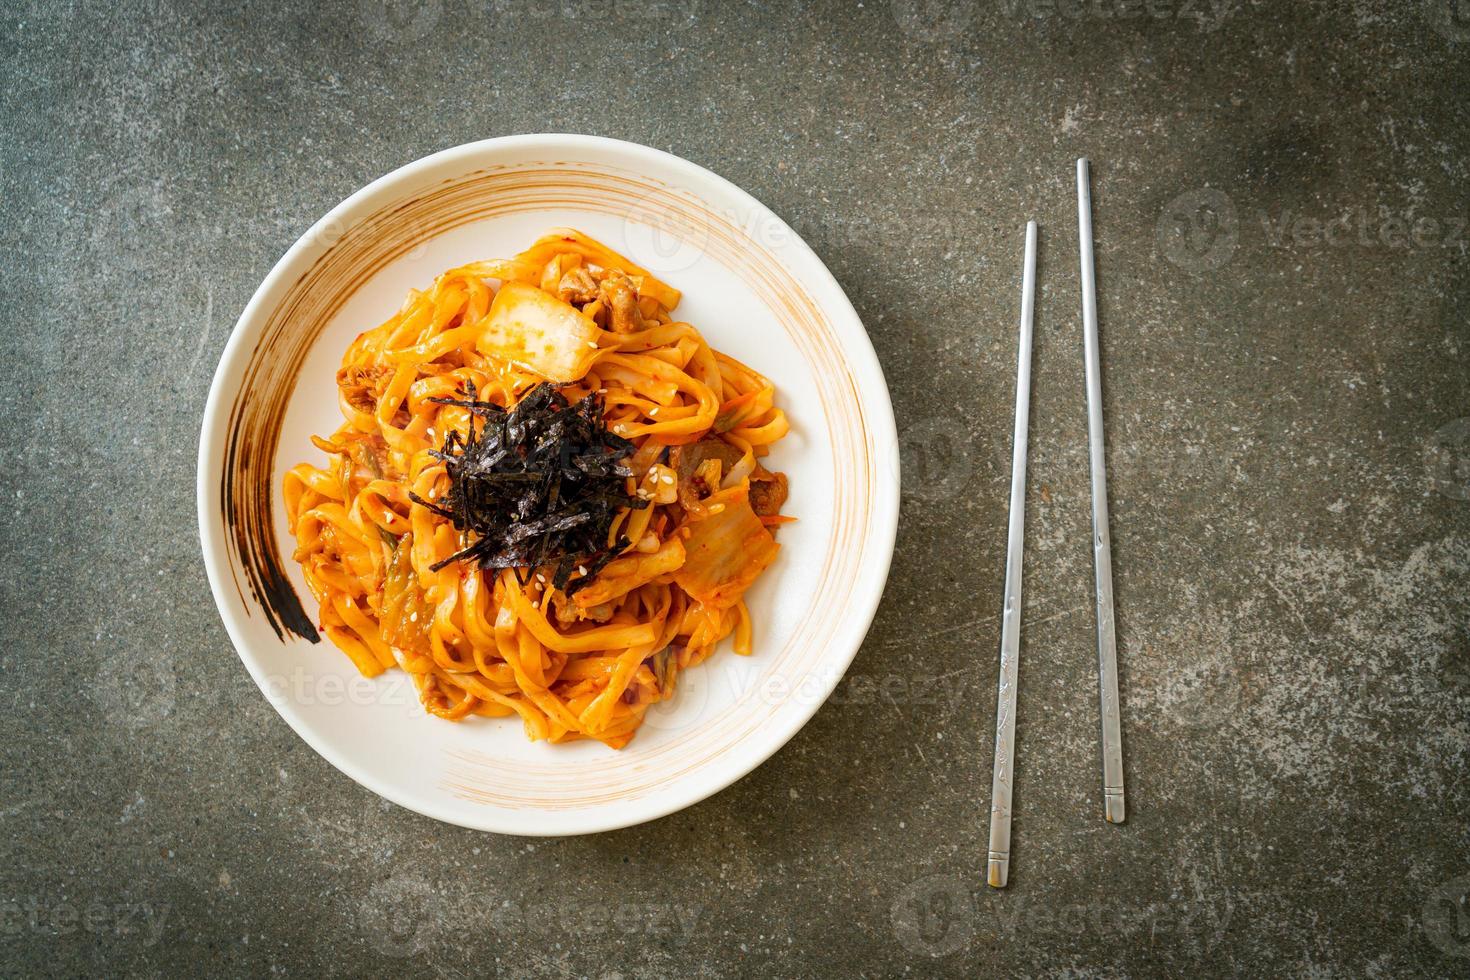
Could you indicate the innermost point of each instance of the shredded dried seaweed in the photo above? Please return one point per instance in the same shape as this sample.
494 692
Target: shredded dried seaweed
538 484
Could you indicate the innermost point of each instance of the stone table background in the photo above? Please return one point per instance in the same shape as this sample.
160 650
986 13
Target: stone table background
1282 246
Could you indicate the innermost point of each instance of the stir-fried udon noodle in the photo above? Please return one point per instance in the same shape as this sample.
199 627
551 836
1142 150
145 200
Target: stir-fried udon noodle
417 538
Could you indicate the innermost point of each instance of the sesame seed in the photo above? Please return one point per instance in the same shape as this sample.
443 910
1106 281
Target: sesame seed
653 411
581 569
717 508
592 344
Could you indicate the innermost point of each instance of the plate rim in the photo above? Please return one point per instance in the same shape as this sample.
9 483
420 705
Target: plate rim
858 352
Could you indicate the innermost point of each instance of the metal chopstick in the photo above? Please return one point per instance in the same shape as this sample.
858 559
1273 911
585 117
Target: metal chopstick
1114 809
1010 630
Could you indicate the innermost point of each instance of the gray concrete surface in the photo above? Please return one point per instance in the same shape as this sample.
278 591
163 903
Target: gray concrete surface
1282 247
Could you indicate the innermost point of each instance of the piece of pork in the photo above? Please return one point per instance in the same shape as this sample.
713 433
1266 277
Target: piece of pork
577 286
620 296
768 491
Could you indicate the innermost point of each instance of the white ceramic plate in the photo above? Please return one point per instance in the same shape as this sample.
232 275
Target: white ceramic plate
750 285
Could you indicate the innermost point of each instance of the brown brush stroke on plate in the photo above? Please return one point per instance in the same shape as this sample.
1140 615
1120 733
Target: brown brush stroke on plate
259 555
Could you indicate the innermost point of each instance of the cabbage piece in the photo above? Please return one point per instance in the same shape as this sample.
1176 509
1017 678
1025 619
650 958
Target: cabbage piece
725 551
534 329
407 612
